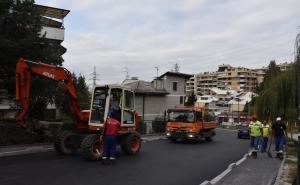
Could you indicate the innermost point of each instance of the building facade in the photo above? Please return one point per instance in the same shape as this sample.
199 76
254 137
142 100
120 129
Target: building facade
175 84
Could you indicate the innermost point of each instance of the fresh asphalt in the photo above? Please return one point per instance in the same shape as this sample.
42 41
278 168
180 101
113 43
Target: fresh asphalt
160 162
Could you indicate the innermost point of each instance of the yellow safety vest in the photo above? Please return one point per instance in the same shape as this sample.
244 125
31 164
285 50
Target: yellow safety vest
255 128
266 130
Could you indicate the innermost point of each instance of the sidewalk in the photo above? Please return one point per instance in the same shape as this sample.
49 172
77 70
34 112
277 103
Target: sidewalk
260 171
45 147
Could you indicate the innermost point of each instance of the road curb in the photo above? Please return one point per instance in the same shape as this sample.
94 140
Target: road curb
280 171
27 150
225 172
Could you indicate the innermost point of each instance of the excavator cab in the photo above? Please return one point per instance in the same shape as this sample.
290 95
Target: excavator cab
111 100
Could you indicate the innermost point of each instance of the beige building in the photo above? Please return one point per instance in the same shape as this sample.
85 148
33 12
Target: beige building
226 78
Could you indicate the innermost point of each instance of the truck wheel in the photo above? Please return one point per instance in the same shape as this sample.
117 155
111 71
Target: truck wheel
92 147
173 140
132 144
65 143
208 139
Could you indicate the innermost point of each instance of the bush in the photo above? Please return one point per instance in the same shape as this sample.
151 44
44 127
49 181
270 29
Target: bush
159 126
12 134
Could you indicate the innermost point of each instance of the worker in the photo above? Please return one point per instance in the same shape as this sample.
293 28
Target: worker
279 133
266 133
255 127
111 127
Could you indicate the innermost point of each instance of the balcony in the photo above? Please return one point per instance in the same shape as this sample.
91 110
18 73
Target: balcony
53 33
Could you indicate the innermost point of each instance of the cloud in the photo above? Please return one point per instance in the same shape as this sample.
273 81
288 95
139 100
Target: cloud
197 34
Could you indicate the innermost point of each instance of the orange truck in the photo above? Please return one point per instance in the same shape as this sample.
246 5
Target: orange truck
189 123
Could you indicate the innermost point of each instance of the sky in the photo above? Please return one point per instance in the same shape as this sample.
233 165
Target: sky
199 35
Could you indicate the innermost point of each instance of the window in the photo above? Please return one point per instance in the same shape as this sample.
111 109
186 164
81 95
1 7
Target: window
128 100
128 116
174 86
181 100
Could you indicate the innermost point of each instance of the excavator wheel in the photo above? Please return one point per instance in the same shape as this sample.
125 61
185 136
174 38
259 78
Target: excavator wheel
65 143
131 143
92 147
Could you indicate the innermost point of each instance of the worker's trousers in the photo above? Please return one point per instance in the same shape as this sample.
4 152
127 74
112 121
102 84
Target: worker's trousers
110 145
254 140
264 144
279 140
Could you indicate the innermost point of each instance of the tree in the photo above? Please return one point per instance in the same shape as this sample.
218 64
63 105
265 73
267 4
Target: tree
20 26
191 100
83 95
278 95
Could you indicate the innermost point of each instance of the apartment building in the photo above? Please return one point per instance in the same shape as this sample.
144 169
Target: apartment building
226 78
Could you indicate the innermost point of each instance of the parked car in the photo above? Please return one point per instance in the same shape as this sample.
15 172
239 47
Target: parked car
243 131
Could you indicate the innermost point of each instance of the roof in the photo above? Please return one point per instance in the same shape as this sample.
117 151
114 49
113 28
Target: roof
170 73
143 87
52 12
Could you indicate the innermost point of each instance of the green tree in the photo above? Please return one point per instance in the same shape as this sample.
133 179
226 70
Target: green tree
83 96
20 25
191 100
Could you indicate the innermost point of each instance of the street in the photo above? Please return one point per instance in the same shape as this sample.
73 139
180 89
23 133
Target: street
160 162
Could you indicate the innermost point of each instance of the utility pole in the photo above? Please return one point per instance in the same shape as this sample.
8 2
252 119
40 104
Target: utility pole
297 56
94 77
157 69
238 100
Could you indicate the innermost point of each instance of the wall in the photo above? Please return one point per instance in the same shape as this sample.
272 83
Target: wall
53 33
173 98
154 106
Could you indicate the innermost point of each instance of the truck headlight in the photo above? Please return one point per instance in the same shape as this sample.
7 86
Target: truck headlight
168 133
190 135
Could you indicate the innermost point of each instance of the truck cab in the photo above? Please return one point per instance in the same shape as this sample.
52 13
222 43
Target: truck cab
189 123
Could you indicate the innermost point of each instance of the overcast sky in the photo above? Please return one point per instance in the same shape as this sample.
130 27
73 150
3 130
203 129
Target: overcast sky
197 34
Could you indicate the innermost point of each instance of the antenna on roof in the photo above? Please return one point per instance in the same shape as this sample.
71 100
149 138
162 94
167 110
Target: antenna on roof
157 69
176 67
126 72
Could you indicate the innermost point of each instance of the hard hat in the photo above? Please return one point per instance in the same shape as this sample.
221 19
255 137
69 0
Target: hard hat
278 119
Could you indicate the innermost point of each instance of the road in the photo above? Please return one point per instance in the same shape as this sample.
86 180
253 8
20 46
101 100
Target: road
160 162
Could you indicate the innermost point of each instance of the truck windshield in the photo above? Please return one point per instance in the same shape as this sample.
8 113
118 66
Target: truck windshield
98 105
181 116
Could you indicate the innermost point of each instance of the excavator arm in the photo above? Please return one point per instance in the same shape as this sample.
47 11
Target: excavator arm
25 69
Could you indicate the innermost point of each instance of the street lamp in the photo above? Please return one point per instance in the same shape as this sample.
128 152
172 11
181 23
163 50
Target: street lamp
238 100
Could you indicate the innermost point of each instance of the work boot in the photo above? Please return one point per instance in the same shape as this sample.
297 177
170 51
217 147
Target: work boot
280 155
254 154
104 160
112 160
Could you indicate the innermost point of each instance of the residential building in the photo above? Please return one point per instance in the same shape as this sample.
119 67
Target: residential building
226 78
149 101
175 84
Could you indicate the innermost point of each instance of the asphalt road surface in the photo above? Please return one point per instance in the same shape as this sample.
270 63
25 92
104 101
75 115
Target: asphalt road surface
160 162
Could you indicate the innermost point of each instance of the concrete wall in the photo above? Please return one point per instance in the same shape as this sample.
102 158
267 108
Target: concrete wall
173 98
181 83
154 106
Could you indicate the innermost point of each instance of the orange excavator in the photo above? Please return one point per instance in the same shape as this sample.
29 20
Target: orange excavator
89 124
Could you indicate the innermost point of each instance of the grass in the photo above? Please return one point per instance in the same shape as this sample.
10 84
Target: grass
290 164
